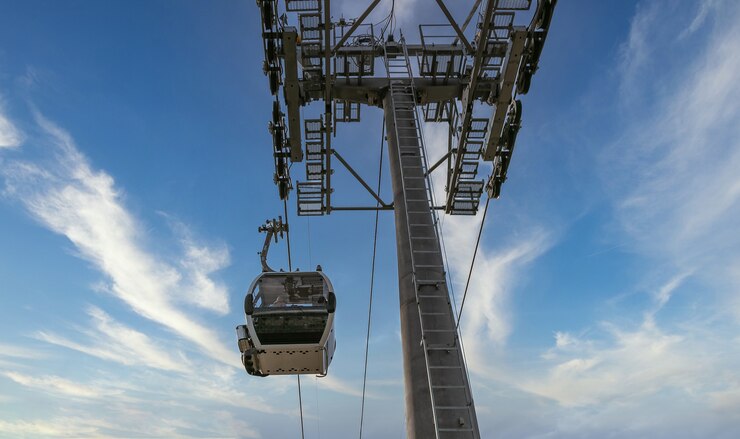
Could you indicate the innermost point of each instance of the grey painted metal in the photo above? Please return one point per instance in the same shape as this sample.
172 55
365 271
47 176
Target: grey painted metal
469 17
508 79
358 178
441 160
454 25
273 229
367 90
327 99
389 207
439 401
467 100
292 93
354 27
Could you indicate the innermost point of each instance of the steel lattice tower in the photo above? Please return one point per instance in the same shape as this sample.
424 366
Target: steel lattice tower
469 83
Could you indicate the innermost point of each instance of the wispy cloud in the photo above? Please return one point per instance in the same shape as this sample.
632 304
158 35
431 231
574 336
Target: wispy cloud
486 320
338 385
677 188
55 427
71 198
10 135
624 364
673 181
58 385
13 351
113 341
198 262
635 53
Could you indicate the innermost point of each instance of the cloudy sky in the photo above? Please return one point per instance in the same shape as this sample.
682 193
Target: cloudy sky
135 168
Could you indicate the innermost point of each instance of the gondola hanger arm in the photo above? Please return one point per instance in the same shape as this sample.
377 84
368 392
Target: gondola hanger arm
273 228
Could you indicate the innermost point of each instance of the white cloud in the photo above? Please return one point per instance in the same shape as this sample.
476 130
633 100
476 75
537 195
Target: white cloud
57 385
55 427
113 341
10 135
627 367
705 8
636 51
663 369
198 262
338 385
13 351
71 198
486 315
676 185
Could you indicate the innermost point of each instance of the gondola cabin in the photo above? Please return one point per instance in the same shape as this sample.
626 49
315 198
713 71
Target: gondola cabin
290 324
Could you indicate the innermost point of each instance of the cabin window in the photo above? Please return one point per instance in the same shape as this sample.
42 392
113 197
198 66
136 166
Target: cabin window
290 289
290 327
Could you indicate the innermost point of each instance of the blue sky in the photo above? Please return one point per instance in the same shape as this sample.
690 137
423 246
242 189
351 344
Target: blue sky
135 167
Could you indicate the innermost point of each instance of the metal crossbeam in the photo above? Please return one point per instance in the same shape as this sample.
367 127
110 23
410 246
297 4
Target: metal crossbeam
454 25
354 27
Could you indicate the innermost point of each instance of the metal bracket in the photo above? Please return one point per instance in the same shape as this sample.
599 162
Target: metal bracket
357 176
274 228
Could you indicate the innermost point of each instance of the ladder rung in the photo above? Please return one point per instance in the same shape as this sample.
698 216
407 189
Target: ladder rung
433 313
455 429
452 407
432 296
442 348
440 330
430 266
426 251
448 387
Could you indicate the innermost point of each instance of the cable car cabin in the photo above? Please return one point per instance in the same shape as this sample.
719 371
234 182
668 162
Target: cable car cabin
290 324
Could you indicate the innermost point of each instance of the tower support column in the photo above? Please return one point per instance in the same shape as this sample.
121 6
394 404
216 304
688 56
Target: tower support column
439 402
419 416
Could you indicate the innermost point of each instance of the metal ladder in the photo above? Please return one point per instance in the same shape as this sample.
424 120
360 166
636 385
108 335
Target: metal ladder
451 399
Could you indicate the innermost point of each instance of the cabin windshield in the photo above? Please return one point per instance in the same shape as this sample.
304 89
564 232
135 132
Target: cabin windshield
290 327
280 290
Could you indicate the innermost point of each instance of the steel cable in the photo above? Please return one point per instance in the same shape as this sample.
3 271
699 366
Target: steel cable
372 279
472 263
290 268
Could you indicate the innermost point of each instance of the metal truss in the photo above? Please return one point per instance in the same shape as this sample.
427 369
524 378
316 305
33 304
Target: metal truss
459 76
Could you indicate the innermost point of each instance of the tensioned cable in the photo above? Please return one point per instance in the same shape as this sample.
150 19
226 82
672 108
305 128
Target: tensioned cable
447 264
472 263
372 279
290 268
310 258
318 418
300 405
287 233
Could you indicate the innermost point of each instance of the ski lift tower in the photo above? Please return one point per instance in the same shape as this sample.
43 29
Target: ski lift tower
468 79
